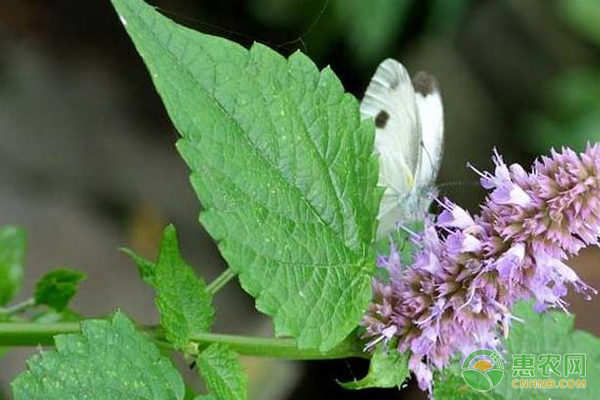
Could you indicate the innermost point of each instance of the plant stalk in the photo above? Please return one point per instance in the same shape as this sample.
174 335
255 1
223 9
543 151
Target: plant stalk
31 335
19 307
220 281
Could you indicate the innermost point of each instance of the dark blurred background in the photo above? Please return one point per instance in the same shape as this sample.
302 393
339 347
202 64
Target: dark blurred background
87 157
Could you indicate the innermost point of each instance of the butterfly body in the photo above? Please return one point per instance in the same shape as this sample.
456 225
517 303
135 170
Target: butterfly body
408 117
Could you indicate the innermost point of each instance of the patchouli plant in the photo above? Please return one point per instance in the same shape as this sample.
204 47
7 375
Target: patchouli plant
331 238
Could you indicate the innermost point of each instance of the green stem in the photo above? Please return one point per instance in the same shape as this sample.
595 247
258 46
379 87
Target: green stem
278 347
220 281
19 307
30 334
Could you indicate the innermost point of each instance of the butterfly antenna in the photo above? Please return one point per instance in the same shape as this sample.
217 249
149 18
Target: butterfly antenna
215 28
429 157
308 30
231 34
458 183
427 152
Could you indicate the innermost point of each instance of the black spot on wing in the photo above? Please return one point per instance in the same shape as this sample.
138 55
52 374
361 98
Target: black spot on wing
381 119
424 83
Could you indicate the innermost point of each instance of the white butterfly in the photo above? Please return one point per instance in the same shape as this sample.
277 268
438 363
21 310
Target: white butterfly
409 139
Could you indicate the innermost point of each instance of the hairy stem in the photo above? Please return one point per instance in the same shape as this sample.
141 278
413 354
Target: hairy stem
19 307
220 281
278 347
30 334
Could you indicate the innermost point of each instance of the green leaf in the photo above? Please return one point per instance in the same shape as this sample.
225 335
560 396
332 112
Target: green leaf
13 243
222 373
282 165
388 369
550 332
452 386
146 268
181 297
545 333
57 288
107 360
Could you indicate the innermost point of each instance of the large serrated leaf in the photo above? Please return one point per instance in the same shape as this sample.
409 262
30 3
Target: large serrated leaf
222 373
282 165
108 360
13 243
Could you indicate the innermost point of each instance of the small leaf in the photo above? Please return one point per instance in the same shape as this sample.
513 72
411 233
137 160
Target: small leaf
222 372
388 369
146 268
283 167
451 385
57 288
107 360
13 243
181 297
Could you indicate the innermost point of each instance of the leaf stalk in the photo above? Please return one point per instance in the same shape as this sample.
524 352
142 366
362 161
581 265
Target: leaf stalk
220 281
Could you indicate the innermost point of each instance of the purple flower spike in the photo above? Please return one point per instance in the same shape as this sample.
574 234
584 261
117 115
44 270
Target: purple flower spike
470 270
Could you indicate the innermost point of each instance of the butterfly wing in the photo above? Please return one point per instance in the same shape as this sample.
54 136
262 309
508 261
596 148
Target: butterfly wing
431 116
391 101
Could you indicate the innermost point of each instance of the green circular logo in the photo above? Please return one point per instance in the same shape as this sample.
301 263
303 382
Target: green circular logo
483 370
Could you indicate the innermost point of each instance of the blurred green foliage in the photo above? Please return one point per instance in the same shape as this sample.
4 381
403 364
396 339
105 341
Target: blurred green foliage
371 30
571 103
445 16
370 27
572 112
567 108
583 16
